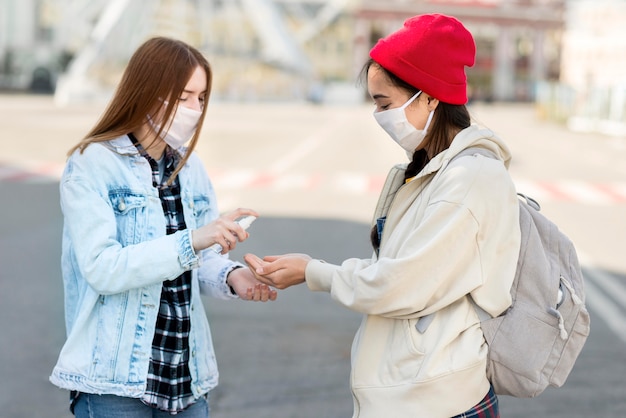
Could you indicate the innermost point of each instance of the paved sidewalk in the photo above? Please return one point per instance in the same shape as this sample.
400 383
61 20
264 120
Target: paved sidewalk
289 358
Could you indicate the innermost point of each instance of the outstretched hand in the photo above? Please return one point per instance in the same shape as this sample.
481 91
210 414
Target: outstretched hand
247 287
280 271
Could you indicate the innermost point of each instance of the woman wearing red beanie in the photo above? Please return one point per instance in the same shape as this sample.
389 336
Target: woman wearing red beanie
445 232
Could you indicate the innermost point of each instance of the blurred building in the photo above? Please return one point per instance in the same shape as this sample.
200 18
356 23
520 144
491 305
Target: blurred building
281 49
591 95
29 58
259 49
518 41
268 49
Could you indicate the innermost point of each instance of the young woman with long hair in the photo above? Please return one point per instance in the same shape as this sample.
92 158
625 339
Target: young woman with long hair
445 234
140 215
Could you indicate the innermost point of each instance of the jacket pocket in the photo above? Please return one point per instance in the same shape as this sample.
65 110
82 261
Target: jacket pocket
109 337
130 213
409 357
201 211
201 207
386 354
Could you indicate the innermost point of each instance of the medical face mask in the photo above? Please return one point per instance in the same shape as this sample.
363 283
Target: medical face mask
395 123
182 127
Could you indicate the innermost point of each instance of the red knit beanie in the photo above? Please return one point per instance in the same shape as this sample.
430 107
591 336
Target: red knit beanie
430 53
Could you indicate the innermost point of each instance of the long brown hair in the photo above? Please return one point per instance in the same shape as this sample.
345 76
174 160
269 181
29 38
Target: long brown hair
158 70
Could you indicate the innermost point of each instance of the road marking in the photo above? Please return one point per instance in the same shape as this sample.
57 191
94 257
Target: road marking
291 182
610 284
532 189
299 152
278 179
617 190
605 294
232 179
356 183
352 182
584 192
602 305
598 284
303 148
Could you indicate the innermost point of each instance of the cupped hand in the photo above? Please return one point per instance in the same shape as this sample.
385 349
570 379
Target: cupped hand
223 231
280 271
247 287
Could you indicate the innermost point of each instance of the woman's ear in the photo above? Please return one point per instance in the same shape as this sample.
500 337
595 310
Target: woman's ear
432 103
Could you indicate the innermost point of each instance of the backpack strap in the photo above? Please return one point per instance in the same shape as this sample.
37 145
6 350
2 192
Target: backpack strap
483 315
530 201
424 322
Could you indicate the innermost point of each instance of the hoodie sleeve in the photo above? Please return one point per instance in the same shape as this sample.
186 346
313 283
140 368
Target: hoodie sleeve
465 240
425 274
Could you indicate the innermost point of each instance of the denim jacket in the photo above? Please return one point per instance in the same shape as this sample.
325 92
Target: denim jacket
115 256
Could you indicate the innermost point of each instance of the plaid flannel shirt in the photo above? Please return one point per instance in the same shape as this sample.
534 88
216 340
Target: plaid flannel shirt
169 380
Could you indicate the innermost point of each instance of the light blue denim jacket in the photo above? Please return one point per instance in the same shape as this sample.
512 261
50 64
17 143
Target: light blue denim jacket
115 256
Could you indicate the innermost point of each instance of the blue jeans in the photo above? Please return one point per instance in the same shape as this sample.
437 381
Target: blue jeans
110 406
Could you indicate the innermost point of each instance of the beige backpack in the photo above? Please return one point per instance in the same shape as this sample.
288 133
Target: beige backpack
536 342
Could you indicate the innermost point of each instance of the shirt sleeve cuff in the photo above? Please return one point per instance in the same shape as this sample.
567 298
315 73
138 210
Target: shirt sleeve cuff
235 266
186 255
225 290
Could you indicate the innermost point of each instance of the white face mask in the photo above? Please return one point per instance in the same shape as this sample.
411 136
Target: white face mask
182 127
395 123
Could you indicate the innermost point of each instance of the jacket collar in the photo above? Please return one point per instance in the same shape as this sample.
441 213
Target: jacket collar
123 145
470 137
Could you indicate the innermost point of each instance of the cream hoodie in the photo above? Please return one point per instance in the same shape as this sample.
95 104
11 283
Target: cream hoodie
448 233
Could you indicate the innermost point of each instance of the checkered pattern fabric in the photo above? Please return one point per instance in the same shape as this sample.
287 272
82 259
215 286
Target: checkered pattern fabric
169 380
487 408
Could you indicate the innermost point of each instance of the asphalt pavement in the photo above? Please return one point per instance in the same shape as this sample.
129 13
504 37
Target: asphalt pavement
289 358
